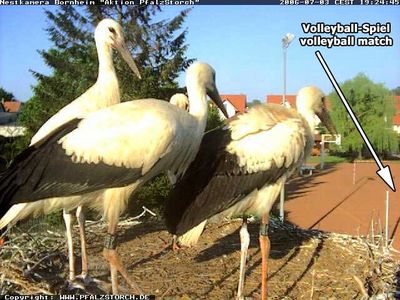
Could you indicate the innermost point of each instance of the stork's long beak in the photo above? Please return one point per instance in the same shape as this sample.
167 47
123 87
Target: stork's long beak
214 95
126 55
327 121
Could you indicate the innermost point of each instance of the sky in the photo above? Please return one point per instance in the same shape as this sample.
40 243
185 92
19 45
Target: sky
242 43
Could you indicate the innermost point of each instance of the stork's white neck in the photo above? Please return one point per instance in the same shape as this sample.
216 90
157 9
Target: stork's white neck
107 82
198 103
106 65
309 115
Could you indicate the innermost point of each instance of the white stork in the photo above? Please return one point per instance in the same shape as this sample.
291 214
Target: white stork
241 168
104 93
105 157
180 100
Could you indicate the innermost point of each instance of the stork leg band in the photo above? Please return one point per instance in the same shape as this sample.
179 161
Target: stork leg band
264 229
110 241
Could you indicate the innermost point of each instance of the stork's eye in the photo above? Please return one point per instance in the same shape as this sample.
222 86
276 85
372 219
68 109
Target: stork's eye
112 30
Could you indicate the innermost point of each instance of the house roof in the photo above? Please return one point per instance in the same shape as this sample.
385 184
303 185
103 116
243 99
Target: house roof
11 106
238 101
396 120
277 99
396 117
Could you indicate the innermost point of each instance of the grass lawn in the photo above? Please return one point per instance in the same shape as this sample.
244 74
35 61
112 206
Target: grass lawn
327 159
337 159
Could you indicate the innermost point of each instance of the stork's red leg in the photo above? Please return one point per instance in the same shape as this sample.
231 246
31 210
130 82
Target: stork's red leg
175 245
116 265
265 246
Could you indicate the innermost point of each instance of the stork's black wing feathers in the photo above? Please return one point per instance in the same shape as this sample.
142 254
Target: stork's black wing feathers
45 171
213 183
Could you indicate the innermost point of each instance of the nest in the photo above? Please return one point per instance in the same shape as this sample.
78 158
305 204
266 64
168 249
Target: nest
34 258
381 260
27 261
35 261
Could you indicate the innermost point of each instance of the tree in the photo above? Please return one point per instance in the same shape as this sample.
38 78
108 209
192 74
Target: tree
373 105
213 117
8 145
158 47
254 102
5 95
396 91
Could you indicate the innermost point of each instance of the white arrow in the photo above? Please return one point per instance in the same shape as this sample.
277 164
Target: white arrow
384 171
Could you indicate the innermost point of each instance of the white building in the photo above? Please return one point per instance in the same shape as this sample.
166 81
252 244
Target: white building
233 104
9 111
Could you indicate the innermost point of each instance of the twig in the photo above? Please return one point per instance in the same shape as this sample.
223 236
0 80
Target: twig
361 286
166 292
312 283
41 260
372 229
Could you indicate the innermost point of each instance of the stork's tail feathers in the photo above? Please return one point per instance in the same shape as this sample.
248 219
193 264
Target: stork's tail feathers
21 211
14 214
11 179
191 237
19 180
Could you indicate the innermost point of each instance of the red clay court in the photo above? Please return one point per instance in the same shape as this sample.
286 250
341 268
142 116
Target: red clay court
329 201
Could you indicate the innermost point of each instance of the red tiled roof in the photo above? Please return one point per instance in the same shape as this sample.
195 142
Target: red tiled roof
11 106
238 101
277 99
396 119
